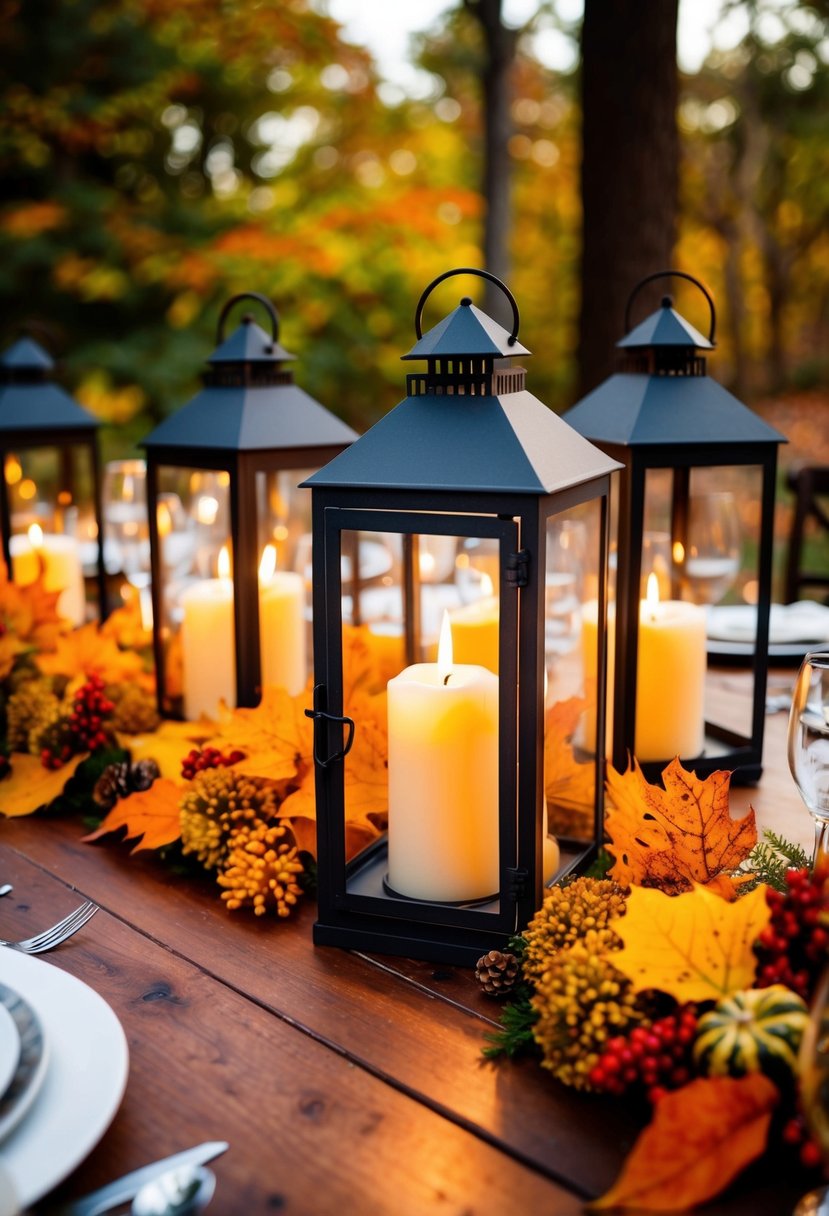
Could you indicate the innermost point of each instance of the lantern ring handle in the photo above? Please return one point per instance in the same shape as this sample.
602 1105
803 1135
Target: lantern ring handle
260 299
484 274
677 274
319 715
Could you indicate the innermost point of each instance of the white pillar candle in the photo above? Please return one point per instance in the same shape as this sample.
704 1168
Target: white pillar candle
670 675
62 569
443 780
208 644
281 626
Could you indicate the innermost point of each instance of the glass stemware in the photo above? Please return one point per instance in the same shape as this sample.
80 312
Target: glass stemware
808 744
712 561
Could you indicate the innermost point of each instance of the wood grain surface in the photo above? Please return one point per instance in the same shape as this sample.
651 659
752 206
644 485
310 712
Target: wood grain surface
344 1083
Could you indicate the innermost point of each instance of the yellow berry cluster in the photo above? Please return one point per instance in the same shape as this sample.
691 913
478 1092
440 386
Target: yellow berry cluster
30 710
261 870
565 916
581 1001
219 801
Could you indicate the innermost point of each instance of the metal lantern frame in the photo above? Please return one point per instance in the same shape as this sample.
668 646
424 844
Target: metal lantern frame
36 413
661 411
249 418
401 477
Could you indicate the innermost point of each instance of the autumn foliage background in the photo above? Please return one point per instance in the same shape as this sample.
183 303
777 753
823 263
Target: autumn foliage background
158 157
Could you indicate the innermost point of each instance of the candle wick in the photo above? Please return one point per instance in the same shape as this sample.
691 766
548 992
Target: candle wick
446 680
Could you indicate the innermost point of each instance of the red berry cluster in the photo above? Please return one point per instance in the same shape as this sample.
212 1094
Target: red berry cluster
197 761
796 1134
792 947
90 709
56 759
657 1058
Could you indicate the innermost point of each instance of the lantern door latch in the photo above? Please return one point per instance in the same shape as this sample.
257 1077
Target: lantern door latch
320 715
517 571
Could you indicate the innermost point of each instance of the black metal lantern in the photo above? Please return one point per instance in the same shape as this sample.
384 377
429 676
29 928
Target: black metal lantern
50 505
693 563
469 515
229 528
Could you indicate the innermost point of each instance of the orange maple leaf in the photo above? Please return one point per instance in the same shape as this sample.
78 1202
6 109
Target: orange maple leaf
151 815
87 651
569 785
31 612
31 786
701 1137
674 837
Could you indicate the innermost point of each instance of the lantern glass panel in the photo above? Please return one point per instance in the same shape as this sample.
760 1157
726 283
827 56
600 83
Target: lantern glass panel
438 736
53 515
196 628
571 644
283 518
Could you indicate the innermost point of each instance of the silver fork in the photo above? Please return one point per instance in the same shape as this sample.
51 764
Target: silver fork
50 938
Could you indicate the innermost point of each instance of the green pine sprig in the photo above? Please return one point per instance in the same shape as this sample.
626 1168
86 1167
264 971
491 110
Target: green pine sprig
770 859
515 1034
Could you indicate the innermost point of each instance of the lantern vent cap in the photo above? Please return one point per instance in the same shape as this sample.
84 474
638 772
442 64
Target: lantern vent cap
466 331
665 327
27 355
249 343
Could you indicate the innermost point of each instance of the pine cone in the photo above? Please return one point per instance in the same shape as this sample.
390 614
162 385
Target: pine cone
143 774
497 972
113 783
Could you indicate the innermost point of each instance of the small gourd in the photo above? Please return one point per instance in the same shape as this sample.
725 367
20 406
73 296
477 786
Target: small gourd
758 1030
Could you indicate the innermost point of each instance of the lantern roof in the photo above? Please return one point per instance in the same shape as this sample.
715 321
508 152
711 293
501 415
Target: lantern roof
665 327
466 331
30 400
249 344
636 409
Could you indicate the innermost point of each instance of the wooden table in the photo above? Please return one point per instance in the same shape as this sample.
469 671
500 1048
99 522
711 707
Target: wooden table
344 1084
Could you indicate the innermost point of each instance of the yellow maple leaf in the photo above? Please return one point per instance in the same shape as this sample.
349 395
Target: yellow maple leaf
31 786
168 745
86 651
674 837
701 1137
151 815
276 736
695 947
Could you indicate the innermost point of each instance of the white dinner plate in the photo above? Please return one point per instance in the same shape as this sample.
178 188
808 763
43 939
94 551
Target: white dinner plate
9 1048
84 1081
32 1061
789 624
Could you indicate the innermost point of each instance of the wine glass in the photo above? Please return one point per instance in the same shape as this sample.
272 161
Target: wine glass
809 744
712 560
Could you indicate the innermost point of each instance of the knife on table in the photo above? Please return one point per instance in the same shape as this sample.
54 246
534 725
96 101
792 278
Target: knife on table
126 1188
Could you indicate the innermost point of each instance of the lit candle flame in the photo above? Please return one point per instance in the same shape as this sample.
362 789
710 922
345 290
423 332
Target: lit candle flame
445 649
224 563
678 552
486 586
164 519
267 565
36 536
207 508
652 597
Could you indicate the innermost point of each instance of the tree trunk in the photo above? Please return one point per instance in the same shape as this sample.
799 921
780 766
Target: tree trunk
500 43
630 159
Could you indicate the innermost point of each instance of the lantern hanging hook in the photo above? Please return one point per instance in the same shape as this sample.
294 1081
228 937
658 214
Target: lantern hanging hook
260 299
484 274
677 274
